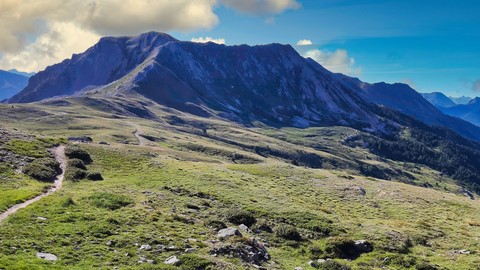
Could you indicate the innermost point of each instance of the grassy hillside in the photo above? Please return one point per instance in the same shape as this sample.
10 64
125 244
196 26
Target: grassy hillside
305 194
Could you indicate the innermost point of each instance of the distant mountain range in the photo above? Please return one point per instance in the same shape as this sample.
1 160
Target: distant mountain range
469 111
269 83
11 84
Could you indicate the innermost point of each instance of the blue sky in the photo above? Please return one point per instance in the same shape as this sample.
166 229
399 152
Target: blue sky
432 45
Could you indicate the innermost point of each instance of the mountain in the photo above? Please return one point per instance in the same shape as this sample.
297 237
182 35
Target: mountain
270 83
11 84
469 112
438 99
25 74
461 100
405 99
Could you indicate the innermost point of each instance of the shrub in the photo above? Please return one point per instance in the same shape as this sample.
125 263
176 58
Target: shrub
215 224
193 262
288 232
239 216
263 225
109 200
68 201
75 174
341 247
75 152
95 176
44 169
425 266
77 163
333 265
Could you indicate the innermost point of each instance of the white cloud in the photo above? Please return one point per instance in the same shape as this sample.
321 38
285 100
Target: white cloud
304 42
337 61
208 39
60 42
37 33
262 7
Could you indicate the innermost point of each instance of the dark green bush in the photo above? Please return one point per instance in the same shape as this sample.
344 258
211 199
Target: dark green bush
288 232
43 169
194 262
341 247
109 200
77 163
75 174
215 224
425 266
68 201
333 265
75 152
240 216
95 176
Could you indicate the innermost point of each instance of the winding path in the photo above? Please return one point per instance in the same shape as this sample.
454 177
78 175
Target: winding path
138 132
59 153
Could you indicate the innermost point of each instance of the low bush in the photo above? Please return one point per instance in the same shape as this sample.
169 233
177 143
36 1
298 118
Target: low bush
287 232
75 174
109 200
95 176
332 265
215 224
68 201
194 262
240 216
75 152
77 163
43 169
341 247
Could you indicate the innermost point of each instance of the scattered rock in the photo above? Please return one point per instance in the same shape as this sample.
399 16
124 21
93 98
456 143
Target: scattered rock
250 251
357 190
298 268
244 228
464 252
103 143
146 247
363 246
83 139
42 218
228 232
172 261
47 256
467 193
190 250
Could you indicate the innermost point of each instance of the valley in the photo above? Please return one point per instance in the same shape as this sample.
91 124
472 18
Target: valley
172 180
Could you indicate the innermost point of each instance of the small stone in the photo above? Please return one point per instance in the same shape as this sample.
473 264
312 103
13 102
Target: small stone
464 252
145 247
172 261
42 218
298 268
109 243
46 256
151 261
244 228
320 261
228 232
190 250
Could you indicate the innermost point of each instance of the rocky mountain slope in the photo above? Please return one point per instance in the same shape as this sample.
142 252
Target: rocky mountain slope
11 84
403 98
270 83
469 112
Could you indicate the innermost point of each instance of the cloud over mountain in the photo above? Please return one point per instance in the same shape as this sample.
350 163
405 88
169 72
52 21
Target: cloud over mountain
34 35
